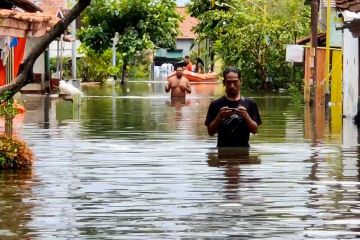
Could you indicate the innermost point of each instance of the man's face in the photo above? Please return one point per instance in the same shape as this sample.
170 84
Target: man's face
179 72
232 84
186 60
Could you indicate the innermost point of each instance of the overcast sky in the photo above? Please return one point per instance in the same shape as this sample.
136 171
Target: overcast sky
182 2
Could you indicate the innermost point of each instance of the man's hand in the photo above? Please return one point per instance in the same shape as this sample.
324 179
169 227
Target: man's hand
242 112
225 112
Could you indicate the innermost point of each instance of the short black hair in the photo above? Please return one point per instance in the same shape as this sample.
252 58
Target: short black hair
177 65
231 69
186 56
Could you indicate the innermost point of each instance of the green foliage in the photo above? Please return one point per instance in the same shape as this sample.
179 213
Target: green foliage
141 24
7 109
96 66
295 93
252 34
139 67
66 66
14 153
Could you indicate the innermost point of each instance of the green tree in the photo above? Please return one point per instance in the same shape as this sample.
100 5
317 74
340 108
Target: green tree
252 34
141 25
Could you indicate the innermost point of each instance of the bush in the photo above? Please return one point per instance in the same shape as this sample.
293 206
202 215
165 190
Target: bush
14 153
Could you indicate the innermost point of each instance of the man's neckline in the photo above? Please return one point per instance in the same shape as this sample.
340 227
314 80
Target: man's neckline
233 100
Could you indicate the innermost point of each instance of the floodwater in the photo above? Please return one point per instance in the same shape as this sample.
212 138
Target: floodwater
130 164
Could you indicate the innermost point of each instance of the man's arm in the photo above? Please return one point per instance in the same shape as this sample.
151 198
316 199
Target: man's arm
188 88
168 86
253 126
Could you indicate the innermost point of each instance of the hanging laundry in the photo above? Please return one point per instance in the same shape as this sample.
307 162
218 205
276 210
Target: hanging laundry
14 41
2 42
5 55
5 51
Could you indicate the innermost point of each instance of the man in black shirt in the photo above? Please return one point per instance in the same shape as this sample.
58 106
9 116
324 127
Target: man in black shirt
232 116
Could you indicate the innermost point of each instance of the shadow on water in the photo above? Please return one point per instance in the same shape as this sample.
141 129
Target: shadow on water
130 162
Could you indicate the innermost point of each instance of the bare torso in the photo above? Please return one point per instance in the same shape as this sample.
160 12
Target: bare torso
178 86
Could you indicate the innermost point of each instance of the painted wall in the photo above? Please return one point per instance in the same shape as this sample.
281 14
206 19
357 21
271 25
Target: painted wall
185 45
67 49
350 74
39 66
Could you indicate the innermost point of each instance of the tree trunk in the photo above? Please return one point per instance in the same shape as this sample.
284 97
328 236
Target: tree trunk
260 69
124 72
25 74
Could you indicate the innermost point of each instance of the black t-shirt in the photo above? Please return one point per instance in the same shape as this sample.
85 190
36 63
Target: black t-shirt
233 132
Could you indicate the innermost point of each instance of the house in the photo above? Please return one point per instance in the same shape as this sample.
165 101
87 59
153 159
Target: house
184 41
52 8
350 11
327 83
21 23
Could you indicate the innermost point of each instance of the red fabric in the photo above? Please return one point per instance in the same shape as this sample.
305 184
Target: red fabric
19 51
19 54
2 74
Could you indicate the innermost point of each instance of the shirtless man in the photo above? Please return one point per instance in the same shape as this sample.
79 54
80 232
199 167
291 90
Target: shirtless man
178 84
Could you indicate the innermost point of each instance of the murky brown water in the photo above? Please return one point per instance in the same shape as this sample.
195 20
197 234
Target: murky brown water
136 166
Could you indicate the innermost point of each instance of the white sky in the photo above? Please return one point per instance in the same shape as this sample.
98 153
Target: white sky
181 2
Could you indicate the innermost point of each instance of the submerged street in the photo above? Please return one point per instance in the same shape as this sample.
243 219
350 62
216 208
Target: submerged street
129 163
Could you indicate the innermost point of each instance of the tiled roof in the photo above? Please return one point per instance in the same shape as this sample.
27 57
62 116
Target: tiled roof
186 25
26 5
51 7
22 24
350 5
26 24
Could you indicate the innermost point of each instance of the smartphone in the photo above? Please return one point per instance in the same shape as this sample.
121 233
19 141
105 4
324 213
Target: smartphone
233 109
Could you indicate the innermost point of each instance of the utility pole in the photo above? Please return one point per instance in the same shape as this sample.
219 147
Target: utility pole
313 50
73 46
327 63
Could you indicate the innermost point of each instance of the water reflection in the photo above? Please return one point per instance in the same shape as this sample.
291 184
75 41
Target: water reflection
135 164
231 159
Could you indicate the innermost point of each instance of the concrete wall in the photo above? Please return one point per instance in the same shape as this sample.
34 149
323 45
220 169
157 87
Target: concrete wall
39 66
185 45
350 74
67 49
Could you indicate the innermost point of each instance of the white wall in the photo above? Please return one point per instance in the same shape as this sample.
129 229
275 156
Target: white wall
185 45
67 49
39 66
350 74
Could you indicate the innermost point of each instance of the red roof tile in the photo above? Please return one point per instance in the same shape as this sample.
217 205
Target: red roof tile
186 25
51 7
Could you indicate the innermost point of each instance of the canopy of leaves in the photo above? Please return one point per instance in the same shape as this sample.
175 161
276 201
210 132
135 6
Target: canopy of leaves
141 24
252 34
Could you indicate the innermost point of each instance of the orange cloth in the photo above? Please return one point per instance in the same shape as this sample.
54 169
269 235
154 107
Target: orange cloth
189 67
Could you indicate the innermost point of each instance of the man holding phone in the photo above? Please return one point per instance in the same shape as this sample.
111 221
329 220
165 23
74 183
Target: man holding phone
232 116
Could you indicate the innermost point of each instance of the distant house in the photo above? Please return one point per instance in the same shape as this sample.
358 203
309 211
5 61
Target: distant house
186 37
184 41
55 9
